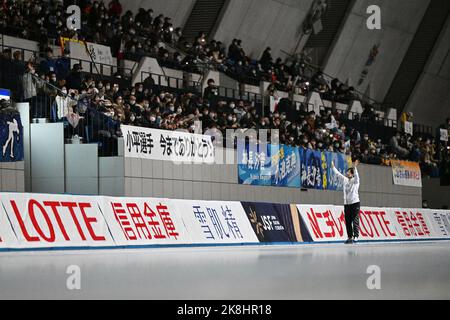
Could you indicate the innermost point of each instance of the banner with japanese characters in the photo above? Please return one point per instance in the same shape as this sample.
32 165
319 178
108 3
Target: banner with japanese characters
175 146
327 223
406 173
254 164
87 51
216 222
55 221
313 169
341 162
144 221
274 223
440 221
285 166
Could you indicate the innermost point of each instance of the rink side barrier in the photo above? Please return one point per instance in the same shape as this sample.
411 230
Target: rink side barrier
65 222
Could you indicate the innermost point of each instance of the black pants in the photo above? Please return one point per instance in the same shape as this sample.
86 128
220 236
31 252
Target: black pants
352 220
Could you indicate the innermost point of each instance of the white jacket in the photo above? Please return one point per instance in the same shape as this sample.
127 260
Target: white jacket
351 187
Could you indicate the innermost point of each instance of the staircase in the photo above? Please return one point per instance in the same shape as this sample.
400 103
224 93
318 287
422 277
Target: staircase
319 44
203 18
418 54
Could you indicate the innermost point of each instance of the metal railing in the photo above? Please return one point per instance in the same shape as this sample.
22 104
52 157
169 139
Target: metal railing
172 83
89 66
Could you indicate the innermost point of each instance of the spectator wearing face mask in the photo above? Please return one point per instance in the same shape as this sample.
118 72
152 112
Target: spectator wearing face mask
211 91
396 147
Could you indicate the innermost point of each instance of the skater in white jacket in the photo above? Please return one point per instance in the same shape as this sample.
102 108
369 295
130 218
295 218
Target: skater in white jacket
352 203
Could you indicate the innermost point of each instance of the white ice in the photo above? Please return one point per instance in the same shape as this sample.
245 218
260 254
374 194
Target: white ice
408 271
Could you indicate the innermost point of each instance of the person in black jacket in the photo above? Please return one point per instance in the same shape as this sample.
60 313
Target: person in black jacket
75 78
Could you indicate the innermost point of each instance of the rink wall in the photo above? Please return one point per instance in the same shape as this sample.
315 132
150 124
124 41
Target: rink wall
39 221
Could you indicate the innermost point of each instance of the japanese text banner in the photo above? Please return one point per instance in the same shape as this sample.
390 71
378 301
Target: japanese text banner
327 223
406 173
175 146
144 221
217 222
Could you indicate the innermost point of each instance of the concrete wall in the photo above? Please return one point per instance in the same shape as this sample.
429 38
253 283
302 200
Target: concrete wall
436 196
399 22
430 101
47 158
178 10
145 178
263 23
12 177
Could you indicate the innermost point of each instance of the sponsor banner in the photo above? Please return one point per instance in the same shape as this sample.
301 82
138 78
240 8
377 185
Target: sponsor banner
440 221
7 237
11 138
341 162
412 224
254 164
218 222
165 145
276 222
43 221
313 169
327 223
406 173
147 221
324 223
285 166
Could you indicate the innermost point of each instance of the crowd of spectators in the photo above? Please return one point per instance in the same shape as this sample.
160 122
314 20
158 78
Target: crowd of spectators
133 36
70 95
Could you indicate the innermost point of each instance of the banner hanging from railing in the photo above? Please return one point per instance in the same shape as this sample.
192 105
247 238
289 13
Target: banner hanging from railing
313 170
175 146
342 163
268 165
86 51
254 164
285 166
11 138
406 173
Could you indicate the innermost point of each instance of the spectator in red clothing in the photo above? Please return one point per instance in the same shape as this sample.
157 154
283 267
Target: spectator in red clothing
115 8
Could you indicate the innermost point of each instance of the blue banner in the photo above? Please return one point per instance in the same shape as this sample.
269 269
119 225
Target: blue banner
313 170
285 166
11 138
341 164
254 164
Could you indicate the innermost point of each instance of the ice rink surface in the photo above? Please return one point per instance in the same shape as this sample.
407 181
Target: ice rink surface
408 271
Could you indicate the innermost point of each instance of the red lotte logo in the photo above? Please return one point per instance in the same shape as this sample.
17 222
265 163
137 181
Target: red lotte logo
43 227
